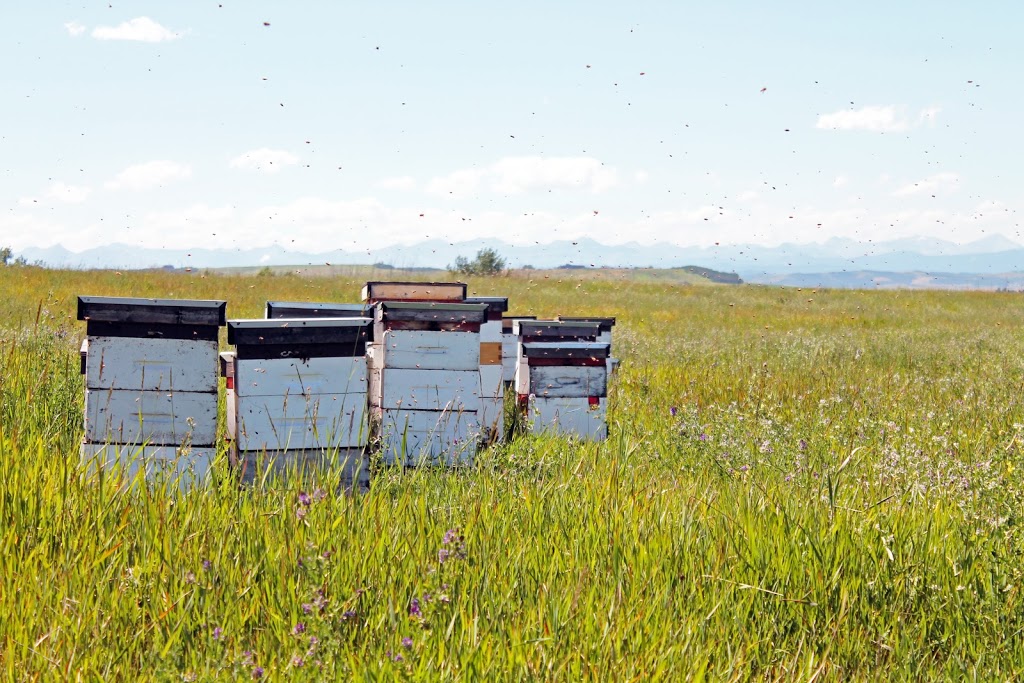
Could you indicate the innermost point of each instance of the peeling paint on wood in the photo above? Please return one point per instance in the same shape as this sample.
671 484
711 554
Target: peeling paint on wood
296 422
151 364
151 417
569 381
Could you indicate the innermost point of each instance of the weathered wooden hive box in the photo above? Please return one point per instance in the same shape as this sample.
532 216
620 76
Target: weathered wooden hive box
562 377
151 396
492 386
604 335
424 367
297 395
438 292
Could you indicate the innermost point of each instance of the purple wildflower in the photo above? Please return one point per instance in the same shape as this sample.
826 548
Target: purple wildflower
247 657
789 477
414 608
672 411
257 672
450 536
318 494
307 608
394 657
298 662
218 633
348 614
802 445
298 629
702 437
443 554
207 565
304 498
744 468
407 643
300 512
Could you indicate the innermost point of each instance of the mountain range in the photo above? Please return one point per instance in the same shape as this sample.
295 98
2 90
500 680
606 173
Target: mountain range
841 261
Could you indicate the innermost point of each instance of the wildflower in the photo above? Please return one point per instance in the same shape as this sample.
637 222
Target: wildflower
218 633
414 608
307 608
407 643
318 494
672 411
298 661
744 468
442 555
190 577
300 512
207 565
789 477
298 629
348 614
304 499
802 445
313 640
247 657
702 437
393 657
257 672
450 536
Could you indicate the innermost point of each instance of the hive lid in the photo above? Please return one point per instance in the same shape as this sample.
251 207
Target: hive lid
606 323
496 305
308 309
298 331
116 309
423 311
566 350
552 330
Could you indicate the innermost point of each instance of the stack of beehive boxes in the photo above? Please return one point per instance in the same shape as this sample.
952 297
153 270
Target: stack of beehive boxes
424 366
297 396
510 347
604 335
562 377
492 386
151 395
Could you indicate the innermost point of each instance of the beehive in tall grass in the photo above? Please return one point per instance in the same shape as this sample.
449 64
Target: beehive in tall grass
150 368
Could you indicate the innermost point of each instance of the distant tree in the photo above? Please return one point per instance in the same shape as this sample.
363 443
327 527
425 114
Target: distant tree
487 262
5 255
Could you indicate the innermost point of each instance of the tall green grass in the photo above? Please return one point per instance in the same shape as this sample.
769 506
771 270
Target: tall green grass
798 485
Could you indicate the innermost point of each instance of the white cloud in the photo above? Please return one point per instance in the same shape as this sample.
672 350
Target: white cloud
74 28
403 183
142 29
879 119
933 183
60 192
840 181
515 175
149 175
265 160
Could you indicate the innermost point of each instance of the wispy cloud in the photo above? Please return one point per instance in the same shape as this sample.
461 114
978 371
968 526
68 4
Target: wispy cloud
149 175
940 181
74 28
141 29
265 160
60 192
879 119
515 175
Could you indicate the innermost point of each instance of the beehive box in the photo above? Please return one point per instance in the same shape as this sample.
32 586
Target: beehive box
297 384
450 292
424 367
492 386
150 369
182 466
604 334
562 378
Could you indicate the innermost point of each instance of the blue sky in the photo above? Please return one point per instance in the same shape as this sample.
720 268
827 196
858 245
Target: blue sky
324 125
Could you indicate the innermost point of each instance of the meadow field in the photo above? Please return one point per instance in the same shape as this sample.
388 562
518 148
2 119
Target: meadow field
798 485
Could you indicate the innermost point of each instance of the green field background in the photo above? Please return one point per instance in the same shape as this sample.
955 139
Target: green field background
797 485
